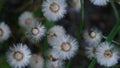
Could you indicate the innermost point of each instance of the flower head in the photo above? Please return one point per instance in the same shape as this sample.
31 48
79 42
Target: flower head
36 32
54 33
92 37
4 31
18 56
36 61
91 51
100 2
106 54
54 10
54 60
75 5
66 46
26 19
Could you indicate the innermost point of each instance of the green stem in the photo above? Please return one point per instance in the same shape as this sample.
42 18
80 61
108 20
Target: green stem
117 43
82 21
117 26
68 64
112 33
115 10
92 64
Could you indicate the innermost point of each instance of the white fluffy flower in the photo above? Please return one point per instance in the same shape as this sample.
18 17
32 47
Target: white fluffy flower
91 51
75 4
52 54
36 32
106 54
55 32
4 32
118 2
36 61
26 19
92 37
100 2
54 60
55 64
54 10
66 46
18 56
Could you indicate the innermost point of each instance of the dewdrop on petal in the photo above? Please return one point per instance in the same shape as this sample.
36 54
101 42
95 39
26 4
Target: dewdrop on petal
66 46
99 2
54 60
36 61
92 37
4 32
55 32
26 19
36 32
91 51
106 54
54 10
18 56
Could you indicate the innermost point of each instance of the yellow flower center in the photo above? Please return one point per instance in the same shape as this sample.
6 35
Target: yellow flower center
66 46
54 7
18 56
35 31
108 54
92 34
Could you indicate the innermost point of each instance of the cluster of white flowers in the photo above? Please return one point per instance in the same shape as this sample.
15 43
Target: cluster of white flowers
34 29
19 56
104 52
63 46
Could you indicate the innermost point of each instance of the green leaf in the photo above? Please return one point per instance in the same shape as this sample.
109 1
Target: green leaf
38 13
3 62
68 64
49 24
82 21
92 64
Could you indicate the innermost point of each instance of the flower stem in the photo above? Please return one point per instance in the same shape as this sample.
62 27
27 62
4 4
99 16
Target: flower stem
68 64
92 64
117 43
82 21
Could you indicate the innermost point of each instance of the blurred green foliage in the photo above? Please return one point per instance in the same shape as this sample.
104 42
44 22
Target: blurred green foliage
3 62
